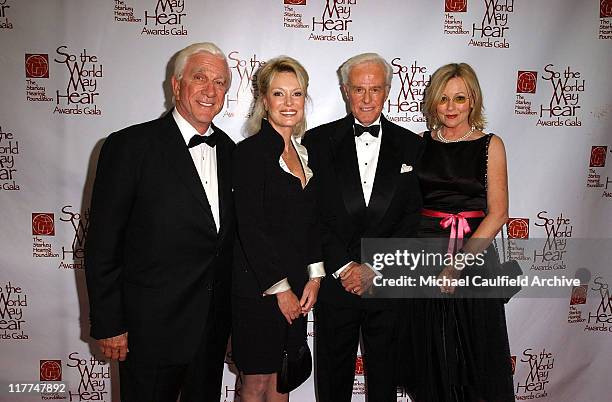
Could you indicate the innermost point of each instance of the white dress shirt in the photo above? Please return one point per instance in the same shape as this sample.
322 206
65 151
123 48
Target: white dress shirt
368 148
315 270
205 161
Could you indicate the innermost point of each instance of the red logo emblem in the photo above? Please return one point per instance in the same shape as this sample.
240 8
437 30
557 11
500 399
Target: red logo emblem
37 65
455 6
513 361
579 294
359 367
518 228
296 2
526 82
605 8
50 370
598 156
43 224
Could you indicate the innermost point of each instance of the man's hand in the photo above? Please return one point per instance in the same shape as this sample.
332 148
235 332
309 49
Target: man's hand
115 348
289 305
357 278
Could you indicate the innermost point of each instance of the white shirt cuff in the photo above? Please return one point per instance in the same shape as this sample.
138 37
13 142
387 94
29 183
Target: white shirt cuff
338 272
316 270
280 286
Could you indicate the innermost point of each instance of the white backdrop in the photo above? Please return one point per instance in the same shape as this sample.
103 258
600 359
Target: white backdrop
72 71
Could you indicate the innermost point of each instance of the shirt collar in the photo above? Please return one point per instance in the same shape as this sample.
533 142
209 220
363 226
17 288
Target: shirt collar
377 121
186 129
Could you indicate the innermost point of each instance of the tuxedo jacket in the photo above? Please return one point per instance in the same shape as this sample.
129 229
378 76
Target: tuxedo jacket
395 203
155 262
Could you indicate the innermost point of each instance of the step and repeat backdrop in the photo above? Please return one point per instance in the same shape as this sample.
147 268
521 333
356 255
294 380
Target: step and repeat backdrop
73 71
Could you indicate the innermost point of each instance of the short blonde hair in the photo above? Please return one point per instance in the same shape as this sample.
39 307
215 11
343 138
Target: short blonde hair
435 89
265 76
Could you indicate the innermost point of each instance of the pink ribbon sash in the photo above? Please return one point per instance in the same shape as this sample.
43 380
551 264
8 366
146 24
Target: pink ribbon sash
458 223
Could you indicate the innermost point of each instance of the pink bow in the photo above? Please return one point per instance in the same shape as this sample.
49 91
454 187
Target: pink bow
458 223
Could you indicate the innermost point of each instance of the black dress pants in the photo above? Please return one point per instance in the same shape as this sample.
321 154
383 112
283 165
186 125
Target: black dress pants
337 338
196 381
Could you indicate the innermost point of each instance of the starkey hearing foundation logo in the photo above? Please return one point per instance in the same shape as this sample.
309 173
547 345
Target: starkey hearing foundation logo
72 255
605 19
293 17
37 65
517 230
5 22
80 96
597 178
43 224
9 154
335 22
243 66
526 83
13 305
453 22
455 6
598 156
36 69
50 370
166 19
124 13
404 101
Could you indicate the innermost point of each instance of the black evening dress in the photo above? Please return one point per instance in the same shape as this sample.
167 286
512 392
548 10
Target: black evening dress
278 237
457 348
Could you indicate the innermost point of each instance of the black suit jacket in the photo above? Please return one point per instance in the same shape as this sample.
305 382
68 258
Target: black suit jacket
278 231
154 260
395 202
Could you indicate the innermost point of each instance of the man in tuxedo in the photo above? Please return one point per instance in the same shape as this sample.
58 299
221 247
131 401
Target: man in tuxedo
368 188
159 245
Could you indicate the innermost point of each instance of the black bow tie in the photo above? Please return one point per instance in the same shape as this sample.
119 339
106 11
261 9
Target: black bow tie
210 140
373 130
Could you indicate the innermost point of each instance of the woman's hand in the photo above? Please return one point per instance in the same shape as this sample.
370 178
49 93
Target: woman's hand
309 297
449 273
289 305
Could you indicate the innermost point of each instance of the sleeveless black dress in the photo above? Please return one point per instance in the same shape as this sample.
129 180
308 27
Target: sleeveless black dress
456 348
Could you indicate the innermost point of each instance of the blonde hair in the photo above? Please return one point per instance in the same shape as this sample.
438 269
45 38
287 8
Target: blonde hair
265 76
435 89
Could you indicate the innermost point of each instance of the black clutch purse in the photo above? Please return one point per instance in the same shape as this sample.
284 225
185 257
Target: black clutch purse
296 367
509 268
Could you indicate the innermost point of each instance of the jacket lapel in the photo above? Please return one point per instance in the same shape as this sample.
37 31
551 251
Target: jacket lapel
347 169
180 160
387 173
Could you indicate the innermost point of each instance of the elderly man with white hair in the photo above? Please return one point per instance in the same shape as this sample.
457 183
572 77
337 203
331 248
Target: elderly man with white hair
368 188
159 246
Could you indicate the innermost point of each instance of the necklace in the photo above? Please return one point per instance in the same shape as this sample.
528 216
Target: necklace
446 140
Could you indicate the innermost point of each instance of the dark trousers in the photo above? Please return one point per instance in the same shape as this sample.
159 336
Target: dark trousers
196 381
337 338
